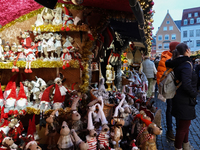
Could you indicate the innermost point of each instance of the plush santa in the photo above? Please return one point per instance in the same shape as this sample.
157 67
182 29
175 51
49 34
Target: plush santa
45 98
66 57
134 147
57 99
26 42
21 102
11 99
4 118
62 88
67 20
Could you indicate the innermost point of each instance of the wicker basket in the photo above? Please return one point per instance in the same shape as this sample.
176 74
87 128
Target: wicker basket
125 81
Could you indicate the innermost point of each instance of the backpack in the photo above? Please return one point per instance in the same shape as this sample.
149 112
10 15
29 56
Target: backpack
167 87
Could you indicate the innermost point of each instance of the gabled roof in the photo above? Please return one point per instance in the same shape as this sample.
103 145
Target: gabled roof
178 24
188 11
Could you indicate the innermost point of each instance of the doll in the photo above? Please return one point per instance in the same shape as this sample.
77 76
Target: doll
39 20
51 48
57 98
66 20
65 140
7 143
44 46
1 50
48 15
26 42
51 129
58 17
39 43
7 52
21 101
30 56
66 57
58 45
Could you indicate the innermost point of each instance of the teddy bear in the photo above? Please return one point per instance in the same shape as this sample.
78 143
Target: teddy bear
65 140
7 142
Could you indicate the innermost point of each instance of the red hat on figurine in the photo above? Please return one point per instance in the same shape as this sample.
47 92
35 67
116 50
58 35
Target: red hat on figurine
66 11
10 82
12 94
21 94
57 96
147 122
45 95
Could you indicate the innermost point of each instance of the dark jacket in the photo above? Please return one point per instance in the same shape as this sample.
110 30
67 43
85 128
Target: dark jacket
183 103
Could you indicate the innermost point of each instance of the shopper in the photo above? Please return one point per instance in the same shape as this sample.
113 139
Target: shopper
183 103
161 69
197 70
155 85
149 69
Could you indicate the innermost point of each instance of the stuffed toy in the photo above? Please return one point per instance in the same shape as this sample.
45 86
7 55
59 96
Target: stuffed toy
21 101
65 140
4 122
39 43
26 42
7 142
58 17
91 138
67 20
39 20
45 100
36 89
1 97
30 56
48 15
44 46
28 86
7 52
13 52
1 50
50 45
57 98
66 57
10 100
58 44
51 129
78 142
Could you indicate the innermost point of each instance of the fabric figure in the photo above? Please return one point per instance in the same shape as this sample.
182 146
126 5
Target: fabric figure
65 141
103 138
16 131
92 143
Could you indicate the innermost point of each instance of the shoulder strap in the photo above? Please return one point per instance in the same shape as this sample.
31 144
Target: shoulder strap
190 64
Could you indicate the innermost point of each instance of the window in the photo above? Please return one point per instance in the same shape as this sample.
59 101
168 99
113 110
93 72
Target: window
189 15
168 22
192 21
185 42
196 14
191 33
184 33
159 46
173 36
166 37
164 28
166 46
170 27
160 38
198 20
191 43
154 48
198 32
198 43
185 22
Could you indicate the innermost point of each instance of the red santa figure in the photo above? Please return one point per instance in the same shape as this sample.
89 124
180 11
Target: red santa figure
66 57
26 42
45 98
57 99
21 102
1 97
4 118
134 147
10 101
67 20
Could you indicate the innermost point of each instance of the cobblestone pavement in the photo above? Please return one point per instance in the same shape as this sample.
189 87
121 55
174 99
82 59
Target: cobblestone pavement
194 135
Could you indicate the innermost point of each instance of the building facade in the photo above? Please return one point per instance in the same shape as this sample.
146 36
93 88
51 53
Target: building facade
153 46
168 31
190 28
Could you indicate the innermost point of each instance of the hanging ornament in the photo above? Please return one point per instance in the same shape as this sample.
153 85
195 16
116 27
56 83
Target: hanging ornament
152 3
151 20
152 28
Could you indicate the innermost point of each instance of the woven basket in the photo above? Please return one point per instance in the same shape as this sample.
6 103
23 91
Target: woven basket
125 81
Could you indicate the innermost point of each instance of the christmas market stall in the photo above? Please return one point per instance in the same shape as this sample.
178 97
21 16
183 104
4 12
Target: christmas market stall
69 75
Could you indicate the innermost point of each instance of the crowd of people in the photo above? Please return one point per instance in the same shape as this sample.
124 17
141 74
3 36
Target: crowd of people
182 105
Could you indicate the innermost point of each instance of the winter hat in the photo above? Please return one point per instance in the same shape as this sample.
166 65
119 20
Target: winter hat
172 46
21 94
66 11
45 95
1 93
57 96
12 94
134 147
147 122
10 82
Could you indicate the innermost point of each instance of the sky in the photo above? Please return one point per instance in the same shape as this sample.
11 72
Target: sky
175 8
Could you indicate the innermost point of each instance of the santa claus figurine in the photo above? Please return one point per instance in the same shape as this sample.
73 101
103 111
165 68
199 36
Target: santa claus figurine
57 99
66 20
21 102
26 42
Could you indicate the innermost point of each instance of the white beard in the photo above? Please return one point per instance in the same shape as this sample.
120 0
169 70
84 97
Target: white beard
5 129
10 102
21 103
57 105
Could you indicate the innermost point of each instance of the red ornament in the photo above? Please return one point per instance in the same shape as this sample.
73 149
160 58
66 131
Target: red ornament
149 23
152 3
150 12
150 34
152 28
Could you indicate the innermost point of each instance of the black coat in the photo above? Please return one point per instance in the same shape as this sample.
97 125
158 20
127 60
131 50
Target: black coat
182 106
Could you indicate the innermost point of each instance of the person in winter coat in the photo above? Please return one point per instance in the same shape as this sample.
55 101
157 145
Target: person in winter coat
197 70
149 69
184 101
161 69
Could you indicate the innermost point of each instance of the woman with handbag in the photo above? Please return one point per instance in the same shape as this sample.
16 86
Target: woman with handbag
184 101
